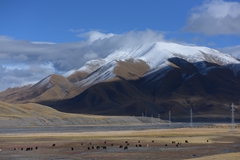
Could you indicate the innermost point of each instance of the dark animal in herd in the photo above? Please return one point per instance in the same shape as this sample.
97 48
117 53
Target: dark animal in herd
105 147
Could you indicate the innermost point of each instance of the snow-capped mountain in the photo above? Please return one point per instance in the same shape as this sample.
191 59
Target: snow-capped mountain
156 56
154 77
157 53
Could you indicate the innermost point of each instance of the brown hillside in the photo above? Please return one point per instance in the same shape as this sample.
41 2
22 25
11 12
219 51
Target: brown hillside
57 91
32 114
53 87
131 69
12 94
77 76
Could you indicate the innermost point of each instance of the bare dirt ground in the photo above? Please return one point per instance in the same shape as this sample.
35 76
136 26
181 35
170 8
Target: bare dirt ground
204 142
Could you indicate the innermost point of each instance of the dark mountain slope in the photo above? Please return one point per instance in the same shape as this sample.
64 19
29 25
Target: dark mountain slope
209 92
110 98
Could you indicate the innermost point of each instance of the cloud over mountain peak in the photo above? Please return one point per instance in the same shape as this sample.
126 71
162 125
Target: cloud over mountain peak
215 17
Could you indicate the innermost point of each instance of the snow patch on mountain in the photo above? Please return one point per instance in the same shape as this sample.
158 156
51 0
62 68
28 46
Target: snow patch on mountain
44 83
148 53
89 67
101 74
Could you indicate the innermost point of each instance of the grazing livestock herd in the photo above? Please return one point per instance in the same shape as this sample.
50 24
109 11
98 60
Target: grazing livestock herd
125 146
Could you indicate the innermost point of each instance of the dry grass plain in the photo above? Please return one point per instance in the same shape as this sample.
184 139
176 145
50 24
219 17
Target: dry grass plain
222 144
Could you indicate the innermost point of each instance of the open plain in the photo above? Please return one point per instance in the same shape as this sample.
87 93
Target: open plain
145 141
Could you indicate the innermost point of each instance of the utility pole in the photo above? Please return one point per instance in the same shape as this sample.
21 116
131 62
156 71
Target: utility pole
233 121
152 119
191 121
169 121
159 118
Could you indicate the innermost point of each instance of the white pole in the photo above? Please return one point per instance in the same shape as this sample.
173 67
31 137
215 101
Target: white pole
191 121
169 118
233 122
152 119
159 118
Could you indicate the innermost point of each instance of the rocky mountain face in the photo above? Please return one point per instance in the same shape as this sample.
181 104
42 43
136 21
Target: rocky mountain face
146 80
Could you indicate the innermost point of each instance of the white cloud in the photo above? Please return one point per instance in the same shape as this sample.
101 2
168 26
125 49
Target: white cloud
20 74
234 51
215 17
76 30
90 56
95 35
43 42
23 62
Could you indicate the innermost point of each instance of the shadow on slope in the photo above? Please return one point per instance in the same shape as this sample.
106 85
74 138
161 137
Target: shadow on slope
207 88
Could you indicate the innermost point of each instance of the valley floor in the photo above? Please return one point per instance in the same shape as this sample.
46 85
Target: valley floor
205 141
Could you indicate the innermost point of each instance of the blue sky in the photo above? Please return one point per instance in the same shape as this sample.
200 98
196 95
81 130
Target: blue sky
59 20
53 20
41 37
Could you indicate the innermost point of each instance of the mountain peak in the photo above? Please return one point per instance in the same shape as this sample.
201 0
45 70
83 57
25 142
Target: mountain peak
156 54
